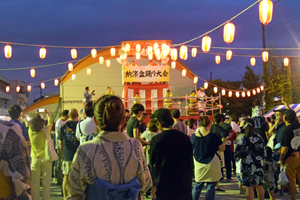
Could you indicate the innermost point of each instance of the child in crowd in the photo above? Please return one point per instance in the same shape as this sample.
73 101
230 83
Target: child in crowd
238 172
270 167
148 135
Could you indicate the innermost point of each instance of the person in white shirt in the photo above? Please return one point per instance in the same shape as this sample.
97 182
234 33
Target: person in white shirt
234 125
86 127
58 163
201 100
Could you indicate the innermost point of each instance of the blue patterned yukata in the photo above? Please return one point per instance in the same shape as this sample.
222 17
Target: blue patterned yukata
252 153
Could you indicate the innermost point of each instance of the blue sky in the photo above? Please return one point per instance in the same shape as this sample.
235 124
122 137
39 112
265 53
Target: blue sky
98 23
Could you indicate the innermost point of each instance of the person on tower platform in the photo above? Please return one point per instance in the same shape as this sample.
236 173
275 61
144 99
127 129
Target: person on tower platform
168 100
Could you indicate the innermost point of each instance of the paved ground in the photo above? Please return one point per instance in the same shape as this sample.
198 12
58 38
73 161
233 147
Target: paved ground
232 192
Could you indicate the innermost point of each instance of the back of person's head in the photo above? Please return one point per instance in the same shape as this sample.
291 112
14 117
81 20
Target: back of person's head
109 113
164 117
86 88
257 102
65 113
204 121
176 113
269 119
73 114
89 109
152 126
191 122
233 118
168 90
37 123
269 152
273 117
223 118
136 108
249 128
185 121
14 111
218 118
127 111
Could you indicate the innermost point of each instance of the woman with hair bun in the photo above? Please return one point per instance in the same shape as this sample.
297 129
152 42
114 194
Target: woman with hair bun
110 163
206 162
251 149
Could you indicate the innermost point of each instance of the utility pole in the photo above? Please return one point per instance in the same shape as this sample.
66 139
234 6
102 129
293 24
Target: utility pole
210 79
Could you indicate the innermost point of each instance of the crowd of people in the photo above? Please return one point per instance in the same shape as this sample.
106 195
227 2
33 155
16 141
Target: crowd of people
114 154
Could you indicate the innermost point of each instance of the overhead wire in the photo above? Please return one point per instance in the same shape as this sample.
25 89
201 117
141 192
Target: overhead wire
219 25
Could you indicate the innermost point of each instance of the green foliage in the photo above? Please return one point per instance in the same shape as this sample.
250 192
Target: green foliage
277 79
233 105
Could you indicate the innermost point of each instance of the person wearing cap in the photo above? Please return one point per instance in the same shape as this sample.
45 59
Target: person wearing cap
171 153
178 125
278 127
290 150
133 123
58 163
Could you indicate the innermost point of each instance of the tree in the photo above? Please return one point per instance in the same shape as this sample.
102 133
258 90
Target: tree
234 105
277 79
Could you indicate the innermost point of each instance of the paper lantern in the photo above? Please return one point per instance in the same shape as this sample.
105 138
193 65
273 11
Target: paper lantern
229 30
205 85
218 59
223 92
265 56
237 94
127 47
252 61
56 81
258 90
164 46
101 60
18 88
138 48
70 67
286 62
195 80
73 77
183 54
150 56
173 64
7 51
206 44
262 88
184 72
194 52
7 88
155 46
107 63
112 51
248 93
43 52
94 53
230 94
228 55
215 89
74 53
254 92
243 94
164 53
174 54
28 88
138 56
265 11
32 72
43 85
150 50
88 71
157 54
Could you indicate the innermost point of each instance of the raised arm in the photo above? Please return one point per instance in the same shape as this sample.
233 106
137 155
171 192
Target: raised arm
50 123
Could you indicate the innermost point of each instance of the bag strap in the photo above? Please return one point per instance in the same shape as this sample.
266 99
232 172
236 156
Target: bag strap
80 128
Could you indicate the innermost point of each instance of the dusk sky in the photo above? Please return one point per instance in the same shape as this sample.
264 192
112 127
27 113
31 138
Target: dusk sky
106 23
